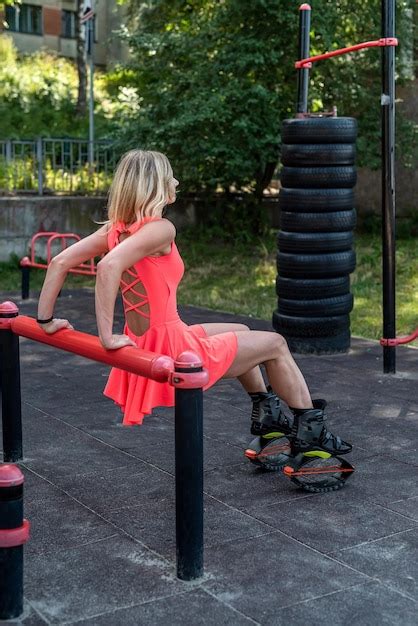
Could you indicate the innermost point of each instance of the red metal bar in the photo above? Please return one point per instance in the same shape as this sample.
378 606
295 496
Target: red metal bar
85 269
141 362
64 237
379 43
399 340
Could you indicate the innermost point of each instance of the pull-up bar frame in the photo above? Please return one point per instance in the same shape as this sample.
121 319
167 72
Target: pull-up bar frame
387 42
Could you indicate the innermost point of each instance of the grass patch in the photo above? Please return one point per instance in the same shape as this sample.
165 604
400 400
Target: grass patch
239 277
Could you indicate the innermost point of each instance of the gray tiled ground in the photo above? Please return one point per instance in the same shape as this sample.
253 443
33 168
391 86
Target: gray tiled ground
100 498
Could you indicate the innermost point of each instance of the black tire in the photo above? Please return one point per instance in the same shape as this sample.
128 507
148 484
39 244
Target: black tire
338 305
320 130
318 222
318 177
320 345
324 326
314 242
309 289
316 265
314 154
316 200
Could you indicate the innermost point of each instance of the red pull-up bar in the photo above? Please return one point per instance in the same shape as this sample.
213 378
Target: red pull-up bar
378 43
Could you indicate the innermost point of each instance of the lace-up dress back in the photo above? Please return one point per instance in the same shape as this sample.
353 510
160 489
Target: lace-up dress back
149 291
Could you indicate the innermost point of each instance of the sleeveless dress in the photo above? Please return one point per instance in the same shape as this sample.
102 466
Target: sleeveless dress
154 282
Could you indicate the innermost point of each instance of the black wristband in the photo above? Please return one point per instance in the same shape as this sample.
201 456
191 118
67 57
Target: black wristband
45 321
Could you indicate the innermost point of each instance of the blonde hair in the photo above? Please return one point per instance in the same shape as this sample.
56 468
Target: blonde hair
140 187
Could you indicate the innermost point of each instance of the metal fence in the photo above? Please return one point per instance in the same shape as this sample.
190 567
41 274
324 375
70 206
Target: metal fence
55 166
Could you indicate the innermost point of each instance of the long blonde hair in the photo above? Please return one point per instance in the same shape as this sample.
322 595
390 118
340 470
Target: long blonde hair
140 187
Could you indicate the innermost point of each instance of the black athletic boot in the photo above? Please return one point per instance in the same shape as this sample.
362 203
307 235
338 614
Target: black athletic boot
267 418
310 434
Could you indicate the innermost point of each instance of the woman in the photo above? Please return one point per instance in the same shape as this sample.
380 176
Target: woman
142 260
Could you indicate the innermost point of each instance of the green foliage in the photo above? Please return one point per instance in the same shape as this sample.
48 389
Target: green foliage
215 78
38 95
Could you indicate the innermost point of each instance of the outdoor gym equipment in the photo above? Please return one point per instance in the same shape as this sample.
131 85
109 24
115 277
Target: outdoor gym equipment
185 374
47 239
387 42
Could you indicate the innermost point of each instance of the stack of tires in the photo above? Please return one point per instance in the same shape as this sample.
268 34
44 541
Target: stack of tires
315 242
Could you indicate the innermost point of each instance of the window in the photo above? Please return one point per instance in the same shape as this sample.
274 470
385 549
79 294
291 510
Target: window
68 24
25 18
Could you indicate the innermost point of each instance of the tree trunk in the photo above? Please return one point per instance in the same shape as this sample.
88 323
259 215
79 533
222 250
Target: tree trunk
81 62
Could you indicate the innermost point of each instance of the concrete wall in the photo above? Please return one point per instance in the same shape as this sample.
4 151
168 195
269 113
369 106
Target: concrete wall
21 217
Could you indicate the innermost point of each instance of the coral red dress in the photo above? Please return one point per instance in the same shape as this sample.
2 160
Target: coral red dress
149 290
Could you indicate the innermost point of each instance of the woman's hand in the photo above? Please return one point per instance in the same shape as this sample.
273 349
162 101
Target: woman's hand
117 341
56 324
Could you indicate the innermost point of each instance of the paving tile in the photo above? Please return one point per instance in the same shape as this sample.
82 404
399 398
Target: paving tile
29 617
56 450
206 611
57 521
119 488
261 575
142 503
407 507
382 479
393 560
373 604
247 488
153 522
75 584
328 522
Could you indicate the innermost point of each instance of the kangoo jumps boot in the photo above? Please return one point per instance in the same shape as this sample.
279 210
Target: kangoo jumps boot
270 448
309 433
314 463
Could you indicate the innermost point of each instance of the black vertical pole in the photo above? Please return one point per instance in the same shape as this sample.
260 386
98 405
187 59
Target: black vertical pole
25 269
10 377
303 74
388 185
189 478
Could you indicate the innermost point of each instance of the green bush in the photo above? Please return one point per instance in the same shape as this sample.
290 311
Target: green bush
38 95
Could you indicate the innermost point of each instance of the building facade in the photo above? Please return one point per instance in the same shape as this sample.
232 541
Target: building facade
50 24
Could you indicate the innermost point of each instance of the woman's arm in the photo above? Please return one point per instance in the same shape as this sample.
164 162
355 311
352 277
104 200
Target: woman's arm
150 239
87 248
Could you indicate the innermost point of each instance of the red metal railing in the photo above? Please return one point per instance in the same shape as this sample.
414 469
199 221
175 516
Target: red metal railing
87 269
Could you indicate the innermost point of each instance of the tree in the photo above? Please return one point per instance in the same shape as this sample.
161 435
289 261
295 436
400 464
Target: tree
216 77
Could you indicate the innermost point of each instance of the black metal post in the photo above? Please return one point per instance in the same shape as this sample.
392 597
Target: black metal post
189 478
25 269
388 186
10 377
303 74
14 532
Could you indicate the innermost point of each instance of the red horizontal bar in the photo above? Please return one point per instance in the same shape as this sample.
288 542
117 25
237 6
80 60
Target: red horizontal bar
379 43
399 340
44 266
142 362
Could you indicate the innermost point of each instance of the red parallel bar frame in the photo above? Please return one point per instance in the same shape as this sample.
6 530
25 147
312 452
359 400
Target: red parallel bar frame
399 340
86 269
378 43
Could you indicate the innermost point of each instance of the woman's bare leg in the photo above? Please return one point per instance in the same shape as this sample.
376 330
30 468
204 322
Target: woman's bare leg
256 347
252 380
